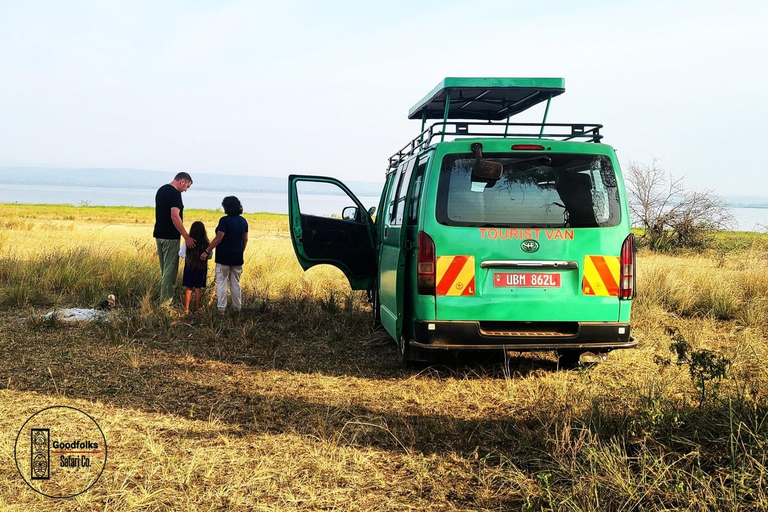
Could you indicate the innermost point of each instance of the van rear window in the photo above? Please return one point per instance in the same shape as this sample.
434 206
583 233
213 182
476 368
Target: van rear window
535 190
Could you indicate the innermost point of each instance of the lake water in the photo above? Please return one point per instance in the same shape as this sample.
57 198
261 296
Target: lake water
196 198
747 219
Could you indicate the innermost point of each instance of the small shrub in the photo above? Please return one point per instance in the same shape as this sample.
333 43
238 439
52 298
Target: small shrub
704 365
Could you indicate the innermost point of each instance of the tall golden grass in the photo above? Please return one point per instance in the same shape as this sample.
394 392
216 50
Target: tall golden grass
298 403
732 287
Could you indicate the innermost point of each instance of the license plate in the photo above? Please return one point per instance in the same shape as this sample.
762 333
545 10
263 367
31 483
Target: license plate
526 280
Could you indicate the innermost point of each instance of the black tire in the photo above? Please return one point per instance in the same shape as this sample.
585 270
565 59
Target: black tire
373 298
568 359
404 353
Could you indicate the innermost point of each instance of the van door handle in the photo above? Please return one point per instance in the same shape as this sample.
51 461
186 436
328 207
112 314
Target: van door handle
386 231
529 264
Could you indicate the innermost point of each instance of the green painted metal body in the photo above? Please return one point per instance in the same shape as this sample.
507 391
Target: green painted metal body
489 303
392 254
413 188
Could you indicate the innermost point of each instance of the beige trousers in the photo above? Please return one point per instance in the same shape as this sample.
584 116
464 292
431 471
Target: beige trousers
228 274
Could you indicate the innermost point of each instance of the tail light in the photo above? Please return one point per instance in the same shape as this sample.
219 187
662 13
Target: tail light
425 265
627 282
527 147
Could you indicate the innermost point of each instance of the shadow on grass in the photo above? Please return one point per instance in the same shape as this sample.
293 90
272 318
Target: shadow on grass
76 362
348 391
213 368
315 336
257 371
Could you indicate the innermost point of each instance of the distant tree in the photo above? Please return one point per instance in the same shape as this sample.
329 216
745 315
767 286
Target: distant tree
670 215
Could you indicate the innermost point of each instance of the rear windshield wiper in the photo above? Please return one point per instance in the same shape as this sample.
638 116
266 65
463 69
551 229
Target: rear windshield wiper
544 158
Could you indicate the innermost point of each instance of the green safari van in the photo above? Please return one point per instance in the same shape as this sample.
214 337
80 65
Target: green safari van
489 234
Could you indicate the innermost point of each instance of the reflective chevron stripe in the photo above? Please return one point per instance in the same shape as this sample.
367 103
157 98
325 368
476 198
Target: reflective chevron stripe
455 275
601 276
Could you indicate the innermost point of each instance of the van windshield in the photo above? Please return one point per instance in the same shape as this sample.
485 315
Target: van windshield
556 190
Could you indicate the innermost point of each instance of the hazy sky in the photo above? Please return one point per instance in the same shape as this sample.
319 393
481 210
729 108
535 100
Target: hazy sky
299 86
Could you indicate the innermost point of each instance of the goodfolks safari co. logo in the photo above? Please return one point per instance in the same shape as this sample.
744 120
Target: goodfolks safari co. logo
60 452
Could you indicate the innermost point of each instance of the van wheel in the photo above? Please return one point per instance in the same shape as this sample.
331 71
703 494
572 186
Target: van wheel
373 298
404 353
568 359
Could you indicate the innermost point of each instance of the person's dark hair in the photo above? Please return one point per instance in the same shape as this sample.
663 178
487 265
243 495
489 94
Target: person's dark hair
232 205
183 176
197 231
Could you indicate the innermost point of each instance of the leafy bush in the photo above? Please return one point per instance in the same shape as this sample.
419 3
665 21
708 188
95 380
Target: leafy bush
704 365
671 216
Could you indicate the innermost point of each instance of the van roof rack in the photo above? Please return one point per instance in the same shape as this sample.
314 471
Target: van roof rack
489 100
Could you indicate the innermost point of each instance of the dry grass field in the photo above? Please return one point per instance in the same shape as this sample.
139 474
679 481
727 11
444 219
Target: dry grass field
298 403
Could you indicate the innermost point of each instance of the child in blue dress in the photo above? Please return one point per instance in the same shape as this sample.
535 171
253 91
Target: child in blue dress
195 268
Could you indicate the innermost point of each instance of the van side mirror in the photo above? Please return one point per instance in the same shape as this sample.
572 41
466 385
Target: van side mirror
483 170
350 213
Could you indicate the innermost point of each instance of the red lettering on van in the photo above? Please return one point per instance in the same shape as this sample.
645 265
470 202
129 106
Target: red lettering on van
559 234
523 234
530 233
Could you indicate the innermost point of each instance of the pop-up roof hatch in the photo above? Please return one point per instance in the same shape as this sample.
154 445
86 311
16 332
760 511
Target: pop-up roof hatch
485 98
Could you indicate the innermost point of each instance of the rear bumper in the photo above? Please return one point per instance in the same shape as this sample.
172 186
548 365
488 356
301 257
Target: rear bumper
522 336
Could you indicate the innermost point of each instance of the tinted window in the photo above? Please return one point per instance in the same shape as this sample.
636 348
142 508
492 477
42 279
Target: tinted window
397 205
392 197
552 190
402 192
413 210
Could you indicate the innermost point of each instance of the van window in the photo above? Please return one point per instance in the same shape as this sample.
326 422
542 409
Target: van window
413 210
396 215
392 200
545 190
